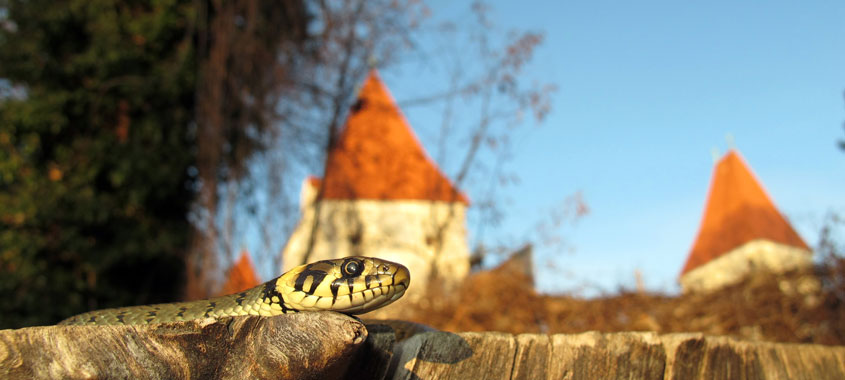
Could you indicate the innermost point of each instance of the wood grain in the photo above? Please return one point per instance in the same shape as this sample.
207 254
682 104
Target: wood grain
295 346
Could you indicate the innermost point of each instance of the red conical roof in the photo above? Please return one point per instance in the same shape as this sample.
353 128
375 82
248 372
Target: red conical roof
377 155
737 211
241 277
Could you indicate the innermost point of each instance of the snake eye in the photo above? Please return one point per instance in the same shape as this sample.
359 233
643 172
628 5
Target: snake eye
351 268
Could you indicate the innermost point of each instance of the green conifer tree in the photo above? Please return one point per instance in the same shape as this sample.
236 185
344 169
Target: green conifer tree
96 110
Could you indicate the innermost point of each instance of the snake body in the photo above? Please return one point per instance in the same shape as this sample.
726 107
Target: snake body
352 285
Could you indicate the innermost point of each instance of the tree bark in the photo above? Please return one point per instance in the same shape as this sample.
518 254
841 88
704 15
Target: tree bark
296 346
593 355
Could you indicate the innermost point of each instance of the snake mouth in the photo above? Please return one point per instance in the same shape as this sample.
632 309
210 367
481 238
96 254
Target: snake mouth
356 302
389 294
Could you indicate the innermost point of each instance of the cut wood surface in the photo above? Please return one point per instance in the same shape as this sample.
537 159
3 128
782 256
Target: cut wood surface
592 355
295 346
333 346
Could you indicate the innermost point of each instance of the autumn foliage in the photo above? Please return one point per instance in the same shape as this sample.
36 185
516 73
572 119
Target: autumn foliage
761 308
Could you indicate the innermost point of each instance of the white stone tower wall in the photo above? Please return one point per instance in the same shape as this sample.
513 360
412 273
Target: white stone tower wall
733 266
402 231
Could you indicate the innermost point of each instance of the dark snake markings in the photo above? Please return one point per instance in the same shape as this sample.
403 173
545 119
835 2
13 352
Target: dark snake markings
317 277
334 287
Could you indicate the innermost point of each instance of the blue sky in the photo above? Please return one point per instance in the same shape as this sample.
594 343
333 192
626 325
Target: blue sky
646 91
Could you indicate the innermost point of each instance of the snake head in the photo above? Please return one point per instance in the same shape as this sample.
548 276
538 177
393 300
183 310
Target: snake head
351 285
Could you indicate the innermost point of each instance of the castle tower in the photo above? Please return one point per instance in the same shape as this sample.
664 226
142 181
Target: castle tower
741 231
382 196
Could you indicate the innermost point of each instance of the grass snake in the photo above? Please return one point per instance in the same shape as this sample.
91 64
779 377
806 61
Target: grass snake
351 285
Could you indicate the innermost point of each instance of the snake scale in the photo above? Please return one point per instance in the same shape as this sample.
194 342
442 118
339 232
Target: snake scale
351 285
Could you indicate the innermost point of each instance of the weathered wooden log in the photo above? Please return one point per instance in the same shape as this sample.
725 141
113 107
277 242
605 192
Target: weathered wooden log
605 356
295 346
328 345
